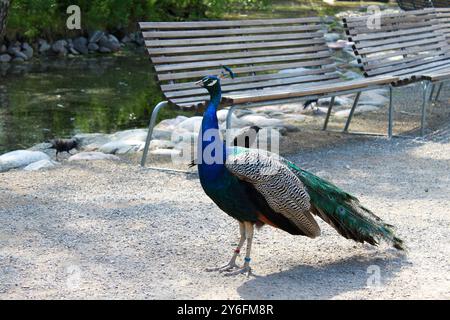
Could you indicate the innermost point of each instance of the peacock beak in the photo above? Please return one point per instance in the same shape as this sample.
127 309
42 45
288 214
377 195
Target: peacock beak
199 83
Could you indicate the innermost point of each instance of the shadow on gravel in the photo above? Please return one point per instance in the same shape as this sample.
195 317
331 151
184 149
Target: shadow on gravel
324 281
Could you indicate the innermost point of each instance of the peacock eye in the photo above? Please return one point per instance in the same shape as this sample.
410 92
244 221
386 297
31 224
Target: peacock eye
211 83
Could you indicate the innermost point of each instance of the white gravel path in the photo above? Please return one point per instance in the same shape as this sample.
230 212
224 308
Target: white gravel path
113 230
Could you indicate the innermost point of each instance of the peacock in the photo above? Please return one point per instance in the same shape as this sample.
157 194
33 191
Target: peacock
259 188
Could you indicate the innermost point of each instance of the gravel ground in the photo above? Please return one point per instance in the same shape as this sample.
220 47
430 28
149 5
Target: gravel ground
114 230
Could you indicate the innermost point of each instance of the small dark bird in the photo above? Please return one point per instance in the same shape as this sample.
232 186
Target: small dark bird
64 145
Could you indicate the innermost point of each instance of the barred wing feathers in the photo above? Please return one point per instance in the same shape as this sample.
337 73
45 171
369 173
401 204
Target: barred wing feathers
281 188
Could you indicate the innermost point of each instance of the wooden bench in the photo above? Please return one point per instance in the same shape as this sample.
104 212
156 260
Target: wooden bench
439 77
410 45
276 61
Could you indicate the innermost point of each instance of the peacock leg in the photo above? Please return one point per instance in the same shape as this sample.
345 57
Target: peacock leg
249 228
232 264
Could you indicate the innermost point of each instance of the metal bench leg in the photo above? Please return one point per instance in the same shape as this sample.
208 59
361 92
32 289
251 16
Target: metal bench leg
426 100
229 115
328 113
352 111
432 92
390 114
438 92
155 112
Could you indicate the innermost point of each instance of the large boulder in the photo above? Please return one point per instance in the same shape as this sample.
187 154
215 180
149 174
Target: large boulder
20 158
109 42
192 124
122 147
81 45
5 58
261 121
43 46
95 36
59 47
92 156
27 50
41 164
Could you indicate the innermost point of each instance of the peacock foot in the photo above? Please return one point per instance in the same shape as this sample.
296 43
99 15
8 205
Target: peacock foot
244 270
226 268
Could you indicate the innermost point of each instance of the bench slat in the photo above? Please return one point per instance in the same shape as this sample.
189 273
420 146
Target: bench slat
268 95
241 61
238 54
248 79
193 74
230 23
225 32
238 46
257 84
203 41
383 35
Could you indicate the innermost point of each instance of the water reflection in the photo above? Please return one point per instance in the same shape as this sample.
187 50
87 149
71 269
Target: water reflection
62 97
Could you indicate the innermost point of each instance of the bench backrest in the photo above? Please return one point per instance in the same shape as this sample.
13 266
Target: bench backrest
257 50
404 44
443 15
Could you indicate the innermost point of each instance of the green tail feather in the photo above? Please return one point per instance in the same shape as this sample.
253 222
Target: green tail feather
344 212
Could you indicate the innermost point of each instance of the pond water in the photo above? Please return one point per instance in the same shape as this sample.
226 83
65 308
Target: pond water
55 97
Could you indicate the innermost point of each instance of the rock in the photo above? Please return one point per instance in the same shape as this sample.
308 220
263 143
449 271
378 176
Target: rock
132 134
3 49
161 144
354 63
170 124
110 42
27 50
235 121
262 121
13 49
340 44
59 47
332 37
41 164
93 47
166 152
338 101
373 98
162 134
294 70
350 75
122 147
95 36
20 158
18 60
192 124
294 117
21 55
73 52
359 109
5 58
182 135
126 40
92 156
43 46
104 50
92 140
81 45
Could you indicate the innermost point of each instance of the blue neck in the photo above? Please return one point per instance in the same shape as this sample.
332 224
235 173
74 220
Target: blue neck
211 171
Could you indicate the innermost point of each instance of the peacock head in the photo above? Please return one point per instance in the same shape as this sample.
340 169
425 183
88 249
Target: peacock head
210 83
